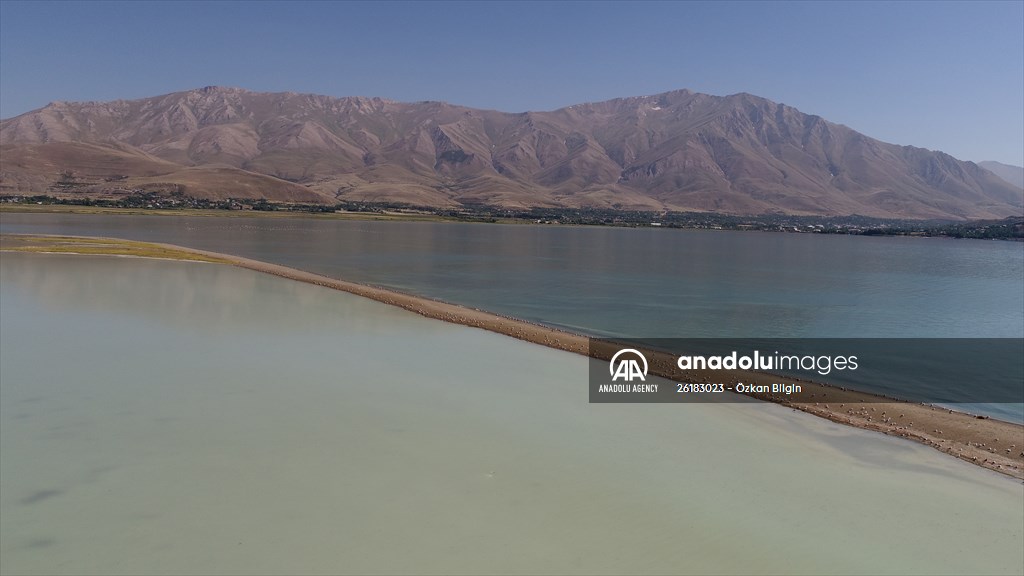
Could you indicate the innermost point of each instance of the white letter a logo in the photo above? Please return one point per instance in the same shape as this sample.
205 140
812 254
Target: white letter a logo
628 368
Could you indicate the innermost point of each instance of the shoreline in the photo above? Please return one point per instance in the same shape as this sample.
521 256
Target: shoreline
398 216
986 442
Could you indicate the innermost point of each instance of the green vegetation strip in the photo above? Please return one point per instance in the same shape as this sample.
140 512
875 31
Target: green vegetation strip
104 246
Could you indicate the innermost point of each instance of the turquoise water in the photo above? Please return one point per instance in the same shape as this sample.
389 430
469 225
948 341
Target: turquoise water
173 417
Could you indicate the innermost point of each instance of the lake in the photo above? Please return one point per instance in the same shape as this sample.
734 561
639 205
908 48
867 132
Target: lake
631 282
175 417
640 283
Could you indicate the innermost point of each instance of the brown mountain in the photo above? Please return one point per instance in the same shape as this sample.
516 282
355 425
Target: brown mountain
678 151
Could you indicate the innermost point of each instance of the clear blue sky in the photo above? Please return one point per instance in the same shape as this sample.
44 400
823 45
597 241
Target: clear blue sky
942 75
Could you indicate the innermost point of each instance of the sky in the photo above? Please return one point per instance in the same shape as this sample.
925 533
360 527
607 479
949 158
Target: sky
941 75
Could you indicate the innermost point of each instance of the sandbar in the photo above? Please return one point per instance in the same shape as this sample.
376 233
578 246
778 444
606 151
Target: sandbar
986 442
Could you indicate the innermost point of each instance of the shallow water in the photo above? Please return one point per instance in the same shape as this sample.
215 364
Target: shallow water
641 283
172 417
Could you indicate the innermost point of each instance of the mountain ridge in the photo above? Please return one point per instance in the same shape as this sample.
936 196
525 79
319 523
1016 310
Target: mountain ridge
678 150
1012 174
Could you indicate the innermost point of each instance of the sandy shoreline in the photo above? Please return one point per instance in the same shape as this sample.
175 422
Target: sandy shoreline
986 442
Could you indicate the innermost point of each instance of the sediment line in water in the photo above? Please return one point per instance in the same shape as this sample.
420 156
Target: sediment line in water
986 442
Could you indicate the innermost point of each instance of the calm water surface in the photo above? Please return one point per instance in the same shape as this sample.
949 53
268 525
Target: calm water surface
631 282
637 283
172 417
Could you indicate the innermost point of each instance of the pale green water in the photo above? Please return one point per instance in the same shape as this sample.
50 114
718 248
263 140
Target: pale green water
169 417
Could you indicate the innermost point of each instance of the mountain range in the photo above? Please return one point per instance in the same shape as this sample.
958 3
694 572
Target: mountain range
683 151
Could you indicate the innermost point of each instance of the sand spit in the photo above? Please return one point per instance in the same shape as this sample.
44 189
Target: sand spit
986 442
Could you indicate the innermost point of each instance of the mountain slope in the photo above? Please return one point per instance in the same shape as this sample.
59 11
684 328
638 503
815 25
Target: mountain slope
1012 174
679 151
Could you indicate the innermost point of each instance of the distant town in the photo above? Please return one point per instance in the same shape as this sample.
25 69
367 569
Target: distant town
1007 229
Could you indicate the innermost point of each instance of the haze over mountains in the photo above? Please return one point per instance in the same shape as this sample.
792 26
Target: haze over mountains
1012 174
679 150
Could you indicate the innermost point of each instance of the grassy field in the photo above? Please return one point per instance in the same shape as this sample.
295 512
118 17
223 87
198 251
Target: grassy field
78 245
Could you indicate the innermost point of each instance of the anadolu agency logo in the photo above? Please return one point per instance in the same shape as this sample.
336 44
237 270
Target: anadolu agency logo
628 367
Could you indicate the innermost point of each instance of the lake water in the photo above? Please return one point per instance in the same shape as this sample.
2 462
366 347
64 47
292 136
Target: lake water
631 282
638 283
174 417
